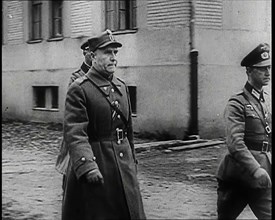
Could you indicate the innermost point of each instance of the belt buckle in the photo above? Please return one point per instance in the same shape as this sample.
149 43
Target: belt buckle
265 147
268 129
119 134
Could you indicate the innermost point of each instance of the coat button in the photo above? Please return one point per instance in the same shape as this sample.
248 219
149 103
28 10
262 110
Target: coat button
118 116
116 102
112 90
94 158
83 159
121 154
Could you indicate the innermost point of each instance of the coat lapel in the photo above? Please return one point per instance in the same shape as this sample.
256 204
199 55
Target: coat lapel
257 107
100 81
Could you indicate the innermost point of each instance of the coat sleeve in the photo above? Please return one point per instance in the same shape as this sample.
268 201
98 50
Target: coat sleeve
75 131
235 131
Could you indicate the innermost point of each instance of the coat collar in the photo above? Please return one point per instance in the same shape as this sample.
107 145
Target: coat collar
104 84
85 67
258 95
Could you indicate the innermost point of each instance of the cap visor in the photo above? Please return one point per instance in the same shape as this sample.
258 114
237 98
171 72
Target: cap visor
263 63
116 44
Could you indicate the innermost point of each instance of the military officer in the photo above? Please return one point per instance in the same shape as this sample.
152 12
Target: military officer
63 157
244 174
101 178
87 63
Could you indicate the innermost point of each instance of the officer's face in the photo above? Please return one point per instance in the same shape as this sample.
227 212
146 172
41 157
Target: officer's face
88 57
259 76
104 59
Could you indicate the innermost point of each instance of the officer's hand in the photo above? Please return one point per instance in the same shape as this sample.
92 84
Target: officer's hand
94 176
263 178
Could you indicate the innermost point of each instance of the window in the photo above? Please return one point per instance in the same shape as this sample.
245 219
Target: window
45 97
36 20
121 15
56 18
133 98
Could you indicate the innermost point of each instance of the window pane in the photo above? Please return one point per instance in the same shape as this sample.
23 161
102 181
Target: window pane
36 20
111 15
56 18
122 20
40 97
54 91
134 14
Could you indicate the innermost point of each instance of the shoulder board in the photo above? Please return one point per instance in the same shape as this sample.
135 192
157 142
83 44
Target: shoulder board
120 80
238 97
81 79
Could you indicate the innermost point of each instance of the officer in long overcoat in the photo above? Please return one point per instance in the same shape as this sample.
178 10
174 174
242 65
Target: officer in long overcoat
63 157
244 174
101 179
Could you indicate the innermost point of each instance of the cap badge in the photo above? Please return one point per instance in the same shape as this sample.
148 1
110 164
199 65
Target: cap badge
110 35
264 55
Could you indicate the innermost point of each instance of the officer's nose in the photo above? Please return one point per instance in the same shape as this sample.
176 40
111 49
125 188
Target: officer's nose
113 57
267 70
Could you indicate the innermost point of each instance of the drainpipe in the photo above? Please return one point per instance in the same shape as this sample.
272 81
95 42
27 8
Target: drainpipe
193 126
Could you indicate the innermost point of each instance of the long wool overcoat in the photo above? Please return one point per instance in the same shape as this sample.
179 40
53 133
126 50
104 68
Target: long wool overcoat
90 126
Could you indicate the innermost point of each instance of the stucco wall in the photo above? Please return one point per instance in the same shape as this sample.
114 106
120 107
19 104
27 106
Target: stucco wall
220 73
154 61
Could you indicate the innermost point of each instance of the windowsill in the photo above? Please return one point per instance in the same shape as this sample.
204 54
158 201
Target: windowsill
45 109
132 31
34 41
55 39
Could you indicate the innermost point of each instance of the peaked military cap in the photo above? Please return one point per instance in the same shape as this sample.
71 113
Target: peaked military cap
85 45
258 57
103 40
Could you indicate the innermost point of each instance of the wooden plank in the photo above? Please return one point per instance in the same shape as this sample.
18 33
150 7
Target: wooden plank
196 146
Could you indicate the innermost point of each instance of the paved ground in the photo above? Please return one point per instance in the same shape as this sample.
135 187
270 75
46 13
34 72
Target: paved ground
174 185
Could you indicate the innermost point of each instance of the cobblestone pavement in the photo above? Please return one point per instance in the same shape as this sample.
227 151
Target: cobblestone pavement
177 185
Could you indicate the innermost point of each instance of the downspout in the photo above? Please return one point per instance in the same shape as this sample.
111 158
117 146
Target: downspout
193 126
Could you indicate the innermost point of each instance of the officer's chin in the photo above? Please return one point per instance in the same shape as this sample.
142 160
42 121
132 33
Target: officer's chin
111 69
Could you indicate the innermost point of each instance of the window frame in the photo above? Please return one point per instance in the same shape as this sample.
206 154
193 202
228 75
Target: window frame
119 18
50 99
33 4
52 18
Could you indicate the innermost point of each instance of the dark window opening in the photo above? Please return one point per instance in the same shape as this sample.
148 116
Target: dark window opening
45 97
39 97
133 98
54 96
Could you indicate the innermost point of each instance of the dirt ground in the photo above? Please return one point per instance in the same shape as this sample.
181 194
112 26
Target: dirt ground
174 185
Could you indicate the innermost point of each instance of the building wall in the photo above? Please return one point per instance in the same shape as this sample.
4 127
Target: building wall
155 59
221 50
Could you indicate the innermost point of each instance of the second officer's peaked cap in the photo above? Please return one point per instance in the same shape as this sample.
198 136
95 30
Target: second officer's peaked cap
258 57
103 40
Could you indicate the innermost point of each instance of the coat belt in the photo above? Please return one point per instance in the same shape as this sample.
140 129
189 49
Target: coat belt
263 146
118 135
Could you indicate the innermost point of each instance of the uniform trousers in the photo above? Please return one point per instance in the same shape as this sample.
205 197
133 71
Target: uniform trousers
232 199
